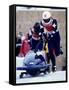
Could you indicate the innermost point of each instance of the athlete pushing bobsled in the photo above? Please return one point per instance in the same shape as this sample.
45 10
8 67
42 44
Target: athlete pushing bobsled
34 62
52 36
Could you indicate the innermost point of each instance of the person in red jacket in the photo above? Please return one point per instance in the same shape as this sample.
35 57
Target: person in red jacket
25 46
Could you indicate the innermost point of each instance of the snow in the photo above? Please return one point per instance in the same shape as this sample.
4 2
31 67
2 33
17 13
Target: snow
56 76
19 61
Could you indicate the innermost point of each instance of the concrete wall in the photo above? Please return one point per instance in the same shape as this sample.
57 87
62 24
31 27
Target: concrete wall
26 19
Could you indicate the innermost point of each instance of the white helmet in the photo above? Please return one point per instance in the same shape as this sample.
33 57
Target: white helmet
46 15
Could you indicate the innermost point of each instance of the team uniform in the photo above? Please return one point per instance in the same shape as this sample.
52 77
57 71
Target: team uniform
36 41
35 38
52 37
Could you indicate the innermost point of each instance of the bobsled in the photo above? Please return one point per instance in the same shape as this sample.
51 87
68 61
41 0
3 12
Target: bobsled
33 64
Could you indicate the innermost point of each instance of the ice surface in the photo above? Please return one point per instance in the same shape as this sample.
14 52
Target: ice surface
56 76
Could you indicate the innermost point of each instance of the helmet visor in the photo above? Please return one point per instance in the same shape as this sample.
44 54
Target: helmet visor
46 20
